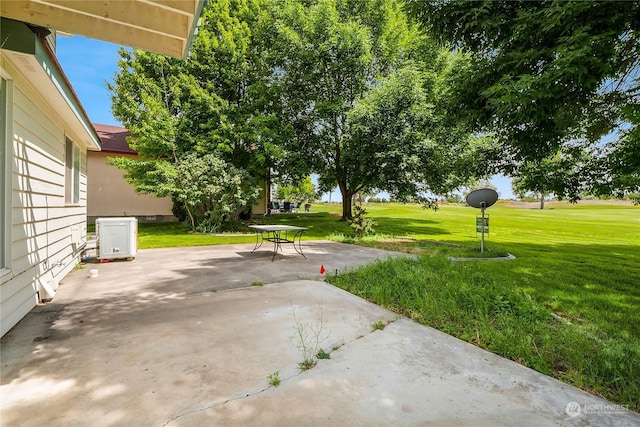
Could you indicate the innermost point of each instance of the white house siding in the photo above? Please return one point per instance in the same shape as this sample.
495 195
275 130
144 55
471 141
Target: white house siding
45 233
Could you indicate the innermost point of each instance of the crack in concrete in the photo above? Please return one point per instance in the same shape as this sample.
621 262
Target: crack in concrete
211 406
233 399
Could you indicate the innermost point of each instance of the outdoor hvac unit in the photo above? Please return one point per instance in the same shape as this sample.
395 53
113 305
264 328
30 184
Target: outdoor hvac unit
117 237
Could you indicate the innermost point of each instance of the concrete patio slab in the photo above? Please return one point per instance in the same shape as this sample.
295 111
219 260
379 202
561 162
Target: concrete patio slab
177 338
193 270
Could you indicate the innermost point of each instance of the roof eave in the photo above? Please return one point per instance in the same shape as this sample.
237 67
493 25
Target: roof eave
19 39
166 27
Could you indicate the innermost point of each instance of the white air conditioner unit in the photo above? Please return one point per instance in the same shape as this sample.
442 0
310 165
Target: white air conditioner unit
117 238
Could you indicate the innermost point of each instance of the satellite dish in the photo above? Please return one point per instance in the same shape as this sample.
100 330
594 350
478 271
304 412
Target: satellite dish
482 198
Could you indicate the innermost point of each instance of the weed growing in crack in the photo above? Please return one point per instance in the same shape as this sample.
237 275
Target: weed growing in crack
274 379
378 326
321 354
308 337
307 364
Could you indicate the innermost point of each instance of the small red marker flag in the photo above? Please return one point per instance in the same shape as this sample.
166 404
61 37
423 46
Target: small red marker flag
322 270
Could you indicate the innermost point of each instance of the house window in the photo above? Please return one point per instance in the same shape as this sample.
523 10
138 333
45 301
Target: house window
72 173
4 171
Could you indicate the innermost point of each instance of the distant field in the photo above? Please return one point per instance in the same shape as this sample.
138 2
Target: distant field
568 305
583 223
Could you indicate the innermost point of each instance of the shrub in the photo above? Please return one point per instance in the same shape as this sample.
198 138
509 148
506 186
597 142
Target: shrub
361 225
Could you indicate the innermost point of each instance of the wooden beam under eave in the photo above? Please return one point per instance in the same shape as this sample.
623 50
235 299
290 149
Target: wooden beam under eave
132 13
188 7
50 16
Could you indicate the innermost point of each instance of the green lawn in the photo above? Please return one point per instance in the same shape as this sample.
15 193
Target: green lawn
568 305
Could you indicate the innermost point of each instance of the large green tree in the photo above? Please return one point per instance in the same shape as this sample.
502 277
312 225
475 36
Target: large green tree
552 175
542 75
216 102
343 88
332 55
397 140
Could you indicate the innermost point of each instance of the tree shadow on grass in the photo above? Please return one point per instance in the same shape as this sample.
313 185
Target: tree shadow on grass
322 225
404 226
581 281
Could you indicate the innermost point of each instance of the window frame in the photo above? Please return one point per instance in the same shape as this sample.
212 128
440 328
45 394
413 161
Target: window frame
72 161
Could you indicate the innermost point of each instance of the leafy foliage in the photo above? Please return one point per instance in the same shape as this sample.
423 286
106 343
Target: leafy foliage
212 106
210 190
398 141
356 107
346 89
302 190
214 191
545 75
550 175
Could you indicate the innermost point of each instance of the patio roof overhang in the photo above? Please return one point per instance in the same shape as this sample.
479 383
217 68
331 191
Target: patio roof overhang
31 55
162 26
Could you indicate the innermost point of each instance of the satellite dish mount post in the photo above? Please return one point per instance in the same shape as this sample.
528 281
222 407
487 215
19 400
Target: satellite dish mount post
482 208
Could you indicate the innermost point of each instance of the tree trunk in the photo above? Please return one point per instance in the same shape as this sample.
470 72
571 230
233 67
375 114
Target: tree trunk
541 201
193 221
346 207
346 200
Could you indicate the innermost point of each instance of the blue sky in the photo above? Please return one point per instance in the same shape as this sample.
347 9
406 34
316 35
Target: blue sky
90 64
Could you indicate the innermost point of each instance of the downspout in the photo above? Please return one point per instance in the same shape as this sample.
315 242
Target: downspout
48 268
